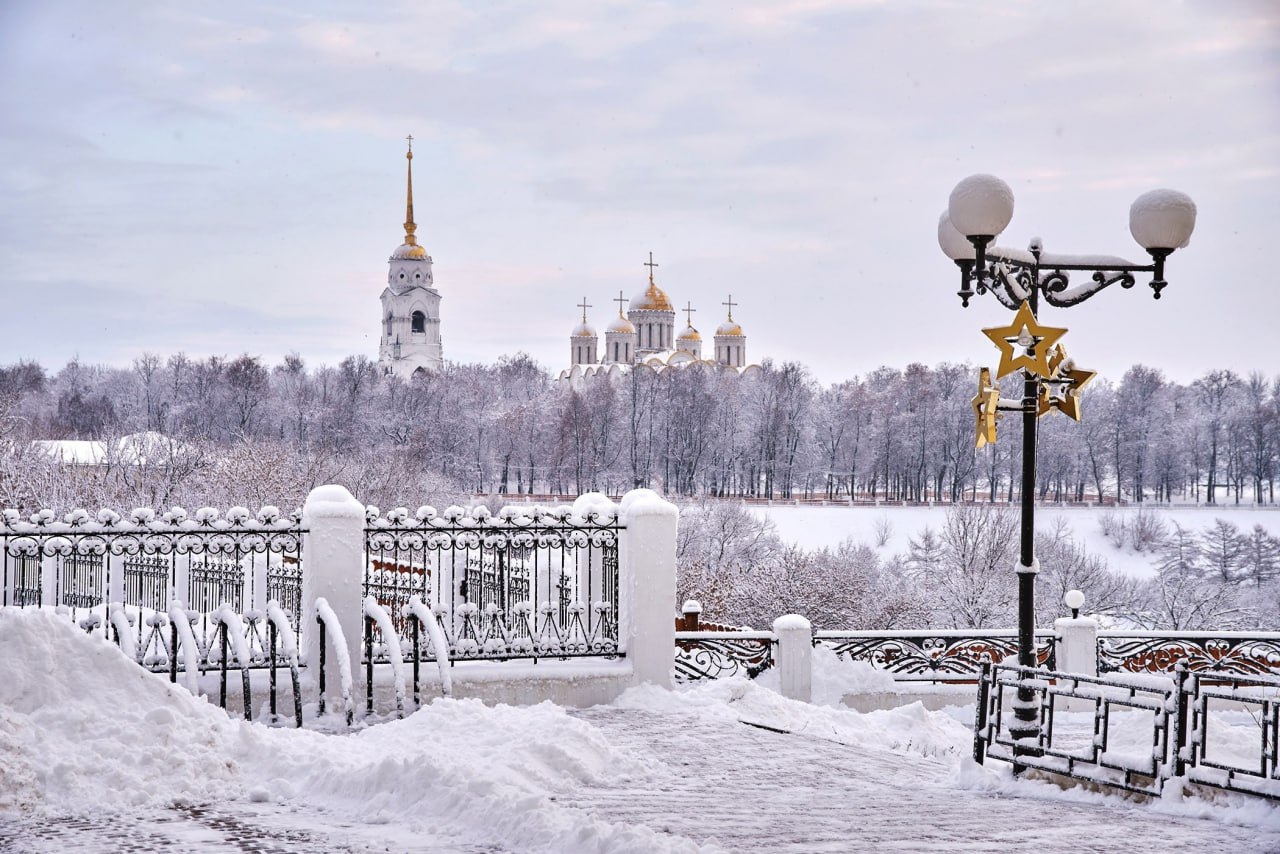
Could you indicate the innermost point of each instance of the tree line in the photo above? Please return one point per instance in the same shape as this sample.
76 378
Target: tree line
232 429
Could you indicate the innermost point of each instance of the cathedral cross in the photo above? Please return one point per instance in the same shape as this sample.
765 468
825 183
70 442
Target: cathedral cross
620 300
410 138
688 313
731 304
584 305
651 264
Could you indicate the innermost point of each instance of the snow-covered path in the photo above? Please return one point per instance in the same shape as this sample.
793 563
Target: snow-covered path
97 755
750 789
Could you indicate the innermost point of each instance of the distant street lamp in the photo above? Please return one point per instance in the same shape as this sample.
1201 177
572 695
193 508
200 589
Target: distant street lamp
980 208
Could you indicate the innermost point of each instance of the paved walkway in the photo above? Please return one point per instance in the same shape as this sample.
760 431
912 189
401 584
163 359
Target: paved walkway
732 787
749 789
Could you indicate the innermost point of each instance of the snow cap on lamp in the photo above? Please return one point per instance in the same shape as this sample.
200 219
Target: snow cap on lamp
1162 219
953 242
981 205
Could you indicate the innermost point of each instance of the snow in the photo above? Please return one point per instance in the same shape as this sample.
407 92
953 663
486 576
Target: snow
827 527
101 755
338 643
379 615
1162 219
423 614
981 205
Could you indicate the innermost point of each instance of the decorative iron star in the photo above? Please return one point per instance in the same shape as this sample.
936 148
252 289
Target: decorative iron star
1024 326
1077 379
985 410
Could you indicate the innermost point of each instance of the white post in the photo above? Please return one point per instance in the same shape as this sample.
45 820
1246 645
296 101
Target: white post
332 569
795 656
647 564
1077 641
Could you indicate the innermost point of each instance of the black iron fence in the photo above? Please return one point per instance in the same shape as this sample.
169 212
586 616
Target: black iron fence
718 654
933 655
527 583
1137 733
1224 654
148 562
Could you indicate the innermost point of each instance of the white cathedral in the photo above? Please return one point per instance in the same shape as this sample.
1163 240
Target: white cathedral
646 336
410 339
410 304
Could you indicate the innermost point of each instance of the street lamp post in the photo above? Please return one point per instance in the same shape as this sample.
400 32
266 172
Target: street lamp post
980 208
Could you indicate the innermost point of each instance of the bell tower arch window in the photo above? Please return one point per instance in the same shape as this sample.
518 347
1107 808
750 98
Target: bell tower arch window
418 322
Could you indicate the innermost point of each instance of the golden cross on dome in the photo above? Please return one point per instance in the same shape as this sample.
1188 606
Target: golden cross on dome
731 304
651 264
584 305
620 300
688 313
1026 333
986 404
410 138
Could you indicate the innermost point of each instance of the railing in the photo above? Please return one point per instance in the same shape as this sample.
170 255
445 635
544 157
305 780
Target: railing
1209 653
527 583
150 561
1137 733
719 654
933 655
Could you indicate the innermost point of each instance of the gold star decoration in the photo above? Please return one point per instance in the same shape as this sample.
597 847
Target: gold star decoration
985 409
1025 332
1077 379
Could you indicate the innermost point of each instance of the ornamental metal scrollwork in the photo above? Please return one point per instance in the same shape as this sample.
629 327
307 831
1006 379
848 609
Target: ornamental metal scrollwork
717 658
1235 656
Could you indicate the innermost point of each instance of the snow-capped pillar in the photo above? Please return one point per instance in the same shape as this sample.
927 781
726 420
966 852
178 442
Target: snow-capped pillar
333 566
1077 646
795 656
647 565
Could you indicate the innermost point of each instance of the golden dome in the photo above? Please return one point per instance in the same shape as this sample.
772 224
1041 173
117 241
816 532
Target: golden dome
690 334
730 327
410 251
583 330
652 298
622 325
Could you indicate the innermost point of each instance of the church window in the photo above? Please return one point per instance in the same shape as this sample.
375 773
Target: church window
389 319
402 275
419 321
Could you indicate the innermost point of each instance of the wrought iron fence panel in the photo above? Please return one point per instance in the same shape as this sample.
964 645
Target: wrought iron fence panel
526 583
146 581
284 586
1178 740
936 656
23 583
1206 759
1218 653
715 655
84 561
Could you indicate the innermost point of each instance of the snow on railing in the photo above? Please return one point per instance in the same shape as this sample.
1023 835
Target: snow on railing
418 611
375 614
231 635
281 634
331 634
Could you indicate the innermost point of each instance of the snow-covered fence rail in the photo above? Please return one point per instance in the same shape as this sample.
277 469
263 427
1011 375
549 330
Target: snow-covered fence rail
934 655
1144 732
529 582
1211 654
148 559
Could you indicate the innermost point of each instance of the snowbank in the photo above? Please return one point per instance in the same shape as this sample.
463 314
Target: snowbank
84 730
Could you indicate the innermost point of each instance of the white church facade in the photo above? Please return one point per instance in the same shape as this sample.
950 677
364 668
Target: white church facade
410 339
645 335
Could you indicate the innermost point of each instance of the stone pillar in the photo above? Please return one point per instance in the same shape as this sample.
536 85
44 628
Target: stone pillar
795 656
647 563
1077 652
333 567
690 616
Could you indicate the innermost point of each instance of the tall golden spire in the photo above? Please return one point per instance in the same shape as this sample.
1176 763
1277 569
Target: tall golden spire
409 225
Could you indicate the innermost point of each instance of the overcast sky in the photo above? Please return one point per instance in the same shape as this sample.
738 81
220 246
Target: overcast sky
228 177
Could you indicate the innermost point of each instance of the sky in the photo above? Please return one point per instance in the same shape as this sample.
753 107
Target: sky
229 178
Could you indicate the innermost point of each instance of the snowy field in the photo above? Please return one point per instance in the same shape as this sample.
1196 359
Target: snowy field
827 527
101 756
